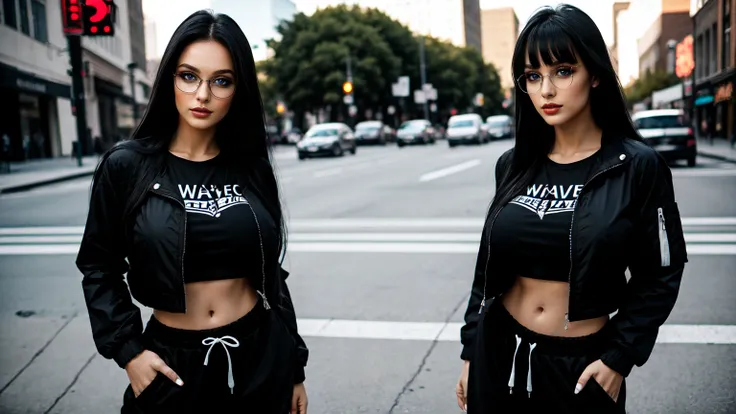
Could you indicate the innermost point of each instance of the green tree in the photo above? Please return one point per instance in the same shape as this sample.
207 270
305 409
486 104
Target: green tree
643 87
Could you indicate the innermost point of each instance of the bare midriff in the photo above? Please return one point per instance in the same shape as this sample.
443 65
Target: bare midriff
541 305
212 304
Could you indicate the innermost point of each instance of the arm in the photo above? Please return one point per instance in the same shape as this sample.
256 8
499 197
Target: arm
116 322
468 331
656 270
286 306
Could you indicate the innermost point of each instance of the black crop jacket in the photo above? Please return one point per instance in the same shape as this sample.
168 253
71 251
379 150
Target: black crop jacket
626 217
154 266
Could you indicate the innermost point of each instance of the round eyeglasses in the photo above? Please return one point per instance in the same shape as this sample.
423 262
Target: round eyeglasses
531 82
221 87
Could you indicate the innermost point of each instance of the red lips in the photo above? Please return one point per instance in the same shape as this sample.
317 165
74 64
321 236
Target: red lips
551 108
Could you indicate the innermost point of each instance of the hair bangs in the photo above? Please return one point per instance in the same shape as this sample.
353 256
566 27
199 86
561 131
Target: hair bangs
550 43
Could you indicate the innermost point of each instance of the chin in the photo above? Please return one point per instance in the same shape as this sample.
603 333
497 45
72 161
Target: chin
202 124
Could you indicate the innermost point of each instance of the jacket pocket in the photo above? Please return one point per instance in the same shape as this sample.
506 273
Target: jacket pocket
664 244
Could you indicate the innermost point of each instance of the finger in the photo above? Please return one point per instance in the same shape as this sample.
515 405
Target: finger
304 406
169 373
583 380
295 405
460 394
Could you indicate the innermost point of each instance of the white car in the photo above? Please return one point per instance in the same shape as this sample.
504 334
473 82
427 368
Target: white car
500 126
464 129
667 131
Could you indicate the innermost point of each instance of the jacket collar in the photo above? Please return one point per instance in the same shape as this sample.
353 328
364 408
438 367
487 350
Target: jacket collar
612 153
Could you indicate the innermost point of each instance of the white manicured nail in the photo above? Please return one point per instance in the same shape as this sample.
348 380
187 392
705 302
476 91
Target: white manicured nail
578 387
179 382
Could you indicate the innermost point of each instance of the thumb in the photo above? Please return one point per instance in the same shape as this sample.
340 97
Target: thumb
583 380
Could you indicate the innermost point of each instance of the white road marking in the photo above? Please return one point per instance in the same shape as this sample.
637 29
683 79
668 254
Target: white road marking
711 172
328 172
11 231
450 332
708 221
434 175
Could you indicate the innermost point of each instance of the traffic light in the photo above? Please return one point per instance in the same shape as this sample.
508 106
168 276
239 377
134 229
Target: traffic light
280 108
71 13
347 87
99 17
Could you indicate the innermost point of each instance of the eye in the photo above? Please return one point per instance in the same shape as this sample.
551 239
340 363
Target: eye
223 82
188 76
532 76
564 72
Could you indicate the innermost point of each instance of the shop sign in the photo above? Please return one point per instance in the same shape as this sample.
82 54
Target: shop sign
724 92
684 60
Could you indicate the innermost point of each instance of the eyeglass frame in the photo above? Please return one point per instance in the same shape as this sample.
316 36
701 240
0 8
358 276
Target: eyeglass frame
572 77
209 85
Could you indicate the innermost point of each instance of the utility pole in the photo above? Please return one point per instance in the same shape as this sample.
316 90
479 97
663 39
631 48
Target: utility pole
423 73
78 100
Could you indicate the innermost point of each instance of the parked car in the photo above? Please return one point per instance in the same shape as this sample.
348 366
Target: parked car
500 126
374 132
667 131
272 132
293 136
416 131
464 129
330 139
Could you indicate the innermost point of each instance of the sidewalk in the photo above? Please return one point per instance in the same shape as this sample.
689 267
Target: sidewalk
34 173
719 149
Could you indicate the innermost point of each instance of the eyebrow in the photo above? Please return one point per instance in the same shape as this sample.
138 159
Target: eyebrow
195 70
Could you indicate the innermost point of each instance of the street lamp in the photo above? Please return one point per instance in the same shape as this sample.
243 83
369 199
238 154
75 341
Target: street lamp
131 68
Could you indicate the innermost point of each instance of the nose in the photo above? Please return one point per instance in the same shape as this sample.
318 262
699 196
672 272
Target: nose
204 92
547 88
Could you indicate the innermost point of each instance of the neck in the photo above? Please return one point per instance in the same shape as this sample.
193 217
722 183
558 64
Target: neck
578 135
193 143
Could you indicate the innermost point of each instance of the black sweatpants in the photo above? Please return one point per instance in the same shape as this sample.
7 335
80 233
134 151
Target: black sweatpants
260 357
515 370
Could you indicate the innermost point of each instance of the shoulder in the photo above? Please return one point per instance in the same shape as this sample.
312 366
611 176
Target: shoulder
122 162
504 161
645 160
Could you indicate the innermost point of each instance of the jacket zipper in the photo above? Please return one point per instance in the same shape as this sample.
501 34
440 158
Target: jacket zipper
664 244
184 246
572 220
488 259
263 257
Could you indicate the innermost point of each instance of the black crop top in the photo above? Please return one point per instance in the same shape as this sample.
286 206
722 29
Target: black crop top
531 234
222 235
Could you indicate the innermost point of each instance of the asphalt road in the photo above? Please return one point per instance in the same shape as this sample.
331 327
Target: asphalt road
381 253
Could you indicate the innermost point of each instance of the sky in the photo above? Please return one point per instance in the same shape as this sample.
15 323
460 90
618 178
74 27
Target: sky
167 18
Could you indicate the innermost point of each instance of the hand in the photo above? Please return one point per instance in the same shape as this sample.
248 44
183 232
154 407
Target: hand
143 368
461 389
299 400
607 378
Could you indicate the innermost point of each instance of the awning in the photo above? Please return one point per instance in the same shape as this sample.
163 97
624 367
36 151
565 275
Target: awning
703 100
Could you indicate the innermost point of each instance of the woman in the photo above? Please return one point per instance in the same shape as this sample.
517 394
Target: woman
578 201
192 203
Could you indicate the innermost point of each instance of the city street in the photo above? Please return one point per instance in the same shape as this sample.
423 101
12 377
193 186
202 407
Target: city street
381 254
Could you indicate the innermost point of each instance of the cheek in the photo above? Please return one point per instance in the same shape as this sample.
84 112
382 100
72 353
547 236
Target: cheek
182 101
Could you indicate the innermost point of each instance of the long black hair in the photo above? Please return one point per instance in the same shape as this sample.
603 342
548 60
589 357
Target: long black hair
240 135
560 35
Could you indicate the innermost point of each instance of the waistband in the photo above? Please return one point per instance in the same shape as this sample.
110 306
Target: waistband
239 329
555 345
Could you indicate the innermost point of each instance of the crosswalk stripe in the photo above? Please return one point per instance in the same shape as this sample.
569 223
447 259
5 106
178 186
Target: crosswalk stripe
450 332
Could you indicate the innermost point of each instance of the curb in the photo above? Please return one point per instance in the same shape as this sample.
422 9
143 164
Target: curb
41 183
717 157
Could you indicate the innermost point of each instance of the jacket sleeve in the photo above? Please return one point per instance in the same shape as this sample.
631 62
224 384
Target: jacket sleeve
656 270
287 308
472 313
116 322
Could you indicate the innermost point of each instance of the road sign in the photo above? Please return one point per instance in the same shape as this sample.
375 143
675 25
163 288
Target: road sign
401 87
352 110
419 97
348 99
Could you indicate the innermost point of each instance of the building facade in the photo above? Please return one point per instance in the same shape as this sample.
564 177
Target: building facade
36 114
618 7
656 46
715 67
500 31
258 19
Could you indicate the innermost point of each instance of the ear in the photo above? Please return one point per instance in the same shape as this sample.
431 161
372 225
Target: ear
595 82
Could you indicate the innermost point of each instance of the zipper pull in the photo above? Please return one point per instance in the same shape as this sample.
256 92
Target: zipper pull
265 300
482 305
567 320
661 218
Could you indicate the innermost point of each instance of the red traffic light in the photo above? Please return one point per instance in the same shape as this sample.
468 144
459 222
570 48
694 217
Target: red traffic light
71 18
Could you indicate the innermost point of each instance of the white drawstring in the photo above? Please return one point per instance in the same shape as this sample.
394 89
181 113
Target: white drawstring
224 341
529 372
512 377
